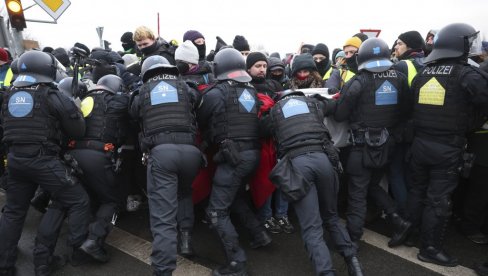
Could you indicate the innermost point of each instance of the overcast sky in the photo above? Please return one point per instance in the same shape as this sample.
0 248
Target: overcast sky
275 25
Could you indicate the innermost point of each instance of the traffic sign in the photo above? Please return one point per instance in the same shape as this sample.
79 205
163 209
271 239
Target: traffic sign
371 32
54 8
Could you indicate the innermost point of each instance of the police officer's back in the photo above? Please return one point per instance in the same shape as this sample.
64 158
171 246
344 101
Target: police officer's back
35 116
375 102
448 93
165 108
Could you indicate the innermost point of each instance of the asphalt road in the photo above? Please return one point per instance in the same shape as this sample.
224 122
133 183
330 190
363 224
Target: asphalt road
129 246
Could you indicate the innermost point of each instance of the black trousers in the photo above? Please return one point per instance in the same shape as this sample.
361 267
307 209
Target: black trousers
25 174
476 203
435 175
364 183
227 181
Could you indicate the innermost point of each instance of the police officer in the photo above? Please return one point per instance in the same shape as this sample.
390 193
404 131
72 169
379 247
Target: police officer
165 108
34 114
228 117
374 101
447 94
106 114
302 139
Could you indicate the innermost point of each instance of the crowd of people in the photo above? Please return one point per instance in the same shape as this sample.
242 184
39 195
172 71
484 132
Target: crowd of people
248 133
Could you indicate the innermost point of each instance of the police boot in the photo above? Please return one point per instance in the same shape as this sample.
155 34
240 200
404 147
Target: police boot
95 250
353 266
185 244
231 269
401 229
40 201
431 250
260 240
55 263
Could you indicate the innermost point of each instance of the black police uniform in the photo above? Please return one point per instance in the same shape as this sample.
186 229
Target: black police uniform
446 95
228 117
165 108
106 129
296 123
34 118
376 102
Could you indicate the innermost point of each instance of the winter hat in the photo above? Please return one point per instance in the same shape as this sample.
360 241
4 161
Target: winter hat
47 49
254 57
130 59
361 36
240 43
127 37
303 62
412 39
3 55
220 43
192 35
275 63
321 48
340 54
308 47
353 41
187 52
61 55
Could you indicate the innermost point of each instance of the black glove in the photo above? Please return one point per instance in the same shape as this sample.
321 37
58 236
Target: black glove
332 91
319 97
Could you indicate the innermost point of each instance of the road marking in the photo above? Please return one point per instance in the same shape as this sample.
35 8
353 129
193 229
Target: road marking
410 254
141 250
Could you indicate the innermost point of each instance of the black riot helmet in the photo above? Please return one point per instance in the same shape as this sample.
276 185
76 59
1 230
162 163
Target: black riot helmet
65 87
452 41
229 64
374 55
111 83
154 65
287 93
35 67
14 66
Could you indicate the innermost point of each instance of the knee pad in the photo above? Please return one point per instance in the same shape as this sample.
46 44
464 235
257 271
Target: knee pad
443 207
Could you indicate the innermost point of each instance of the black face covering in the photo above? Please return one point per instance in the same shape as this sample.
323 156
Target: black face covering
150 49
103 70
428 49
276 78
202 49
128 46
352 64
322 66
183 67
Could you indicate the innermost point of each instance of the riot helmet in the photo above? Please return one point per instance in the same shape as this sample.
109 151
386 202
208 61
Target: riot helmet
111 83
14 66
35 67
229 64
453 41
287 93
374 55
65 86
156 64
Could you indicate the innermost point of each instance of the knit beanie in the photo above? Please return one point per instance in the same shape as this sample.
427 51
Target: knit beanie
254 57
306 48
321 49
187 52
353 41
62 56
127 37
412 39
192 35
361 36
240 43
303 62
220 43
275 63
3 55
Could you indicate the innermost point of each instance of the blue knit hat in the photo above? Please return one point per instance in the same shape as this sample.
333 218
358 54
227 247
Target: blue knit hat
192 35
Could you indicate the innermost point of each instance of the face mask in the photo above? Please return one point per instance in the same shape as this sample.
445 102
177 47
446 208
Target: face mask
128 46
302 77
321 66
202 49
276 78
150 49
352 64
183 67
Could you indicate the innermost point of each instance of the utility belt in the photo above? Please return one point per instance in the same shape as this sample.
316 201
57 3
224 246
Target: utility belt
229 150
32 150
242 145
292 153
357 137
91 144
178 138
453 140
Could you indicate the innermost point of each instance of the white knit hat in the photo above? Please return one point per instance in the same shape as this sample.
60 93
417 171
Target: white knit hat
187 52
